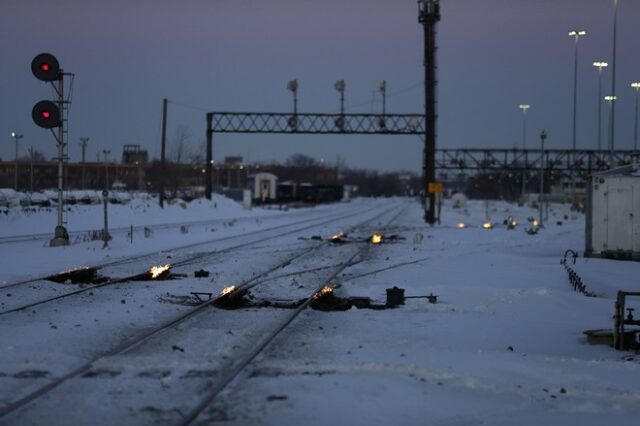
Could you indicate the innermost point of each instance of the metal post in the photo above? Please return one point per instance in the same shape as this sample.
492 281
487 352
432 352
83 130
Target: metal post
106 153
543 136
162 150
429 15
612 101
613 83
383 90
61 237
83 145
524 108
209 165
576 34
31 169
599 109
105 231
15 184
635 126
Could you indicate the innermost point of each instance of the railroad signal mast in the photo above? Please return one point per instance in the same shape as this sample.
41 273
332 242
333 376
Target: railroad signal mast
429 15
51 115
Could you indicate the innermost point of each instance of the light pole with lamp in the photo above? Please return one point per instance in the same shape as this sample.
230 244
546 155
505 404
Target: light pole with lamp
576 34
524 108
543 136
600 65
16 137
636 85
611 99
612 110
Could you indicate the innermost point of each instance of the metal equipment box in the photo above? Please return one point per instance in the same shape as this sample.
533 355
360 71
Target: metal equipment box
613 214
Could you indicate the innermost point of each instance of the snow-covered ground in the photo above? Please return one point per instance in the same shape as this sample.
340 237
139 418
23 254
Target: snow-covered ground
502 346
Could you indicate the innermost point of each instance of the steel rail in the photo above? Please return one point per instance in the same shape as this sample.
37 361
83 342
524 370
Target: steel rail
180 263
139 339
170 225
135 258
250 356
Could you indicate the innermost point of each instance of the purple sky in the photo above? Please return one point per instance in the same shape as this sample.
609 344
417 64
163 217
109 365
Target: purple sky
238 55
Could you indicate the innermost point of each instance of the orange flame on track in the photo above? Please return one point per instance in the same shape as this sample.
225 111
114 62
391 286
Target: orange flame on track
158 271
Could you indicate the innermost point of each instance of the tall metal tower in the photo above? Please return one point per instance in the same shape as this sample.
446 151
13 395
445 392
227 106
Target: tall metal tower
429 15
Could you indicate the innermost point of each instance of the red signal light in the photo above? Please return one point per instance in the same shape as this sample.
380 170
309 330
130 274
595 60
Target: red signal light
46 114
46 67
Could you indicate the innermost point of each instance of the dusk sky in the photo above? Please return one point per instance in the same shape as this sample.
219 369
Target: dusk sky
237 55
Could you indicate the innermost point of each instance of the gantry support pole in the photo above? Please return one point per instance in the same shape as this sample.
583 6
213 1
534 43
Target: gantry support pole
428 17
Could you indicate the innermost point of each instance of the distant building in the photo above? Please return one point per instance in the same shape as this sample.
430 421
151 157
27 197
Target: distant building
133 154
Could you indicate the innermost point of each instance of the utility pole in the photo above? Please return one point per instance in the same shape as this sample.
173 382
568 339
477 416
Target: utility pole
106 153
31 153
209 165
163 143
16 137
83 145
429 15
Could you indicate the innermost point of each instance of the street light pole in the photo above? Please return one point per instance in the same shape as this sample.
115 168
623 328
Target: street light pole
576 34
600 65
16 137
611 99
636 85
612 119
524 108
543 136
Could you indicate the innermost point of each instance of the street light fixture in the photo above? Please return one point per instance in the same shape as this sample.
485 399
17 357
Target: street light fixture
600 65
636 85
576 34
16 137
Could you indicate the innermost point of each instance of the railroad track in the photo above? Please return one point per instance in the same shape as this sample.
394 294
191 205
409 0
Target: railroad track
13 304
125 229
140 257
335 265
